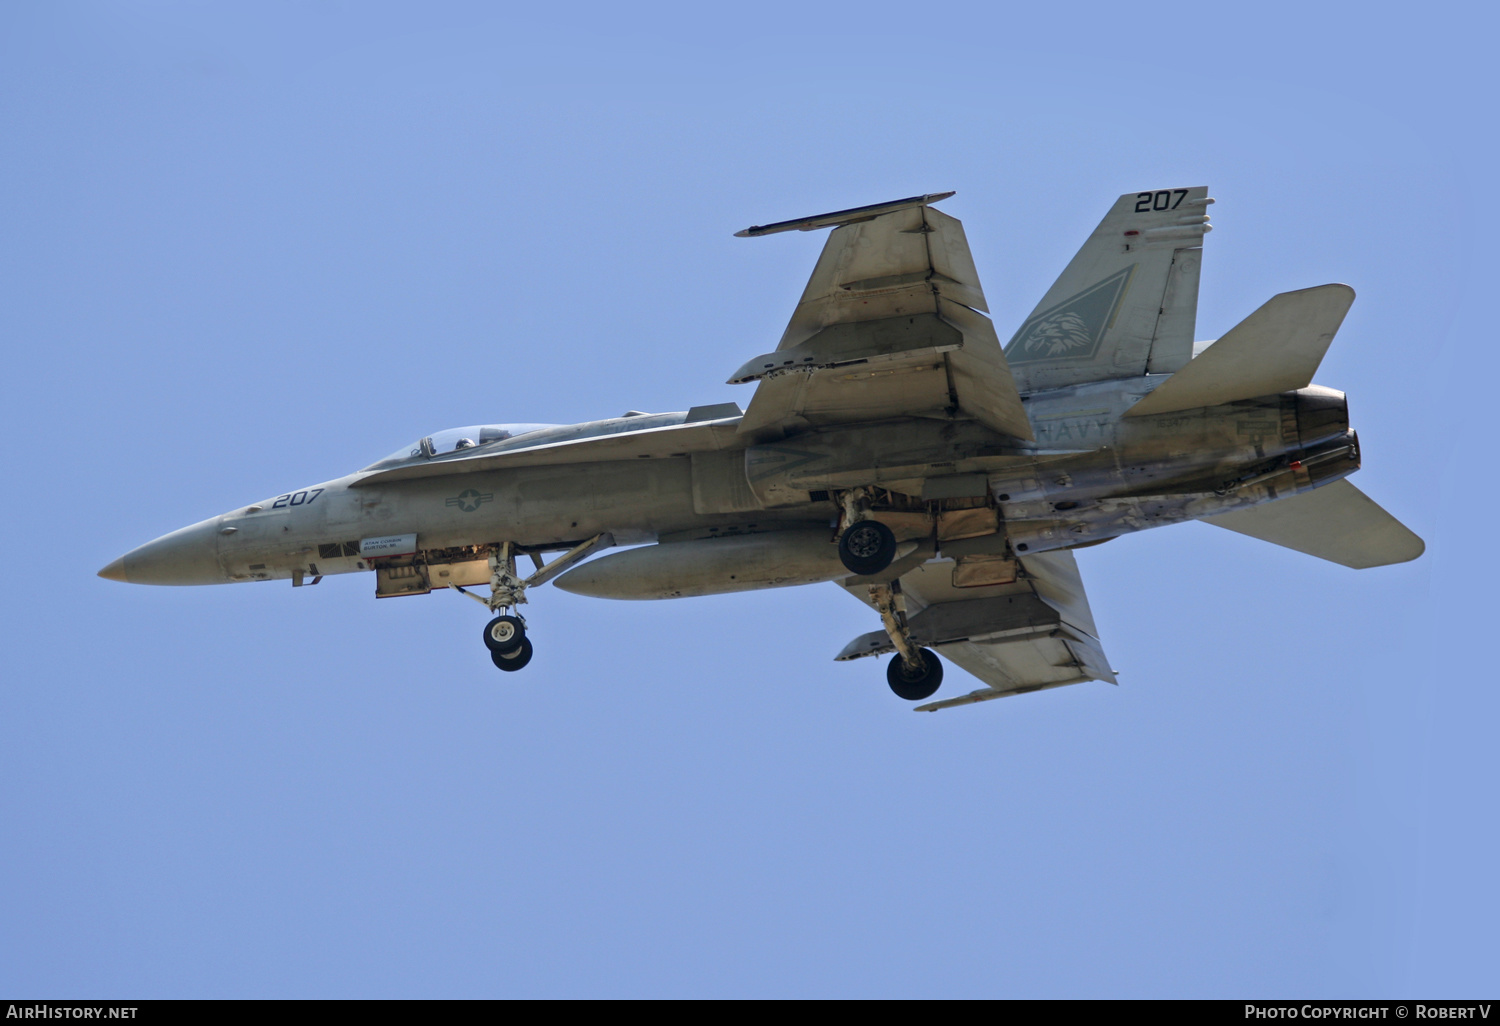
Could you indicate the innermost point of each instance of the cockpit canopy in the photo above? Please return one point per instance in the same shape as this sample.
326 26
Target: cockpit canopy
445 443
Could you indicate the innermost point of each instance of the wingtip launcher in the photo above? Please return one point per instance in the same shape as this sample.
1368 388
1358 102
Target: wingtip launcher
840 217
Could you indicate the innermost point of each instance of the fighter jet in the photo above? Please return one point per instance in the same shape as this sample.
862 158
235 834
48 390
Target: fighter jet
891 446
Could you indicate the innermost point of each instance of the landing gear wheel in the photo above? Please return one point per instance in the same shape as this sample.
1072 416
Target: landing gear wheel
867 548
915 687
504 634
514 660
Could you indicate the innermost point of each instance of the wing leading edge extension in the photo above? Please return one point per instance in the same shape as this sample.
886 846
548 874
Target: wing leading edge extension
1028 634
891 323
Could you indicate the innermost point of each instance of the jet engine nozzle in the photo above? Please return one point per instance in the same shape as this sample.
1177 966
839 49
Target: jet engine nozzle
1322 413
1333 460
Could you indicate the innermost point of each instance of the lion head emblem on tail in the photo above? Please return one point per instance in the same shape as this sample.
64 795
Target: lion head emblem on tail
1062 334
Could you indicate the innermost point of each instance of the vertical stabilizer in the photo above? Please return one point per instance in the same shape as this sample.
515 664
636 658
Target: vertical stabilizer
1127 303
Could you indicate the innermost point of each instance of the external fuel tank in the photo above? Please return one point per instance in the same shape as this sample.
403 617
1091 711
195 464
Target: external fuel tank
710 566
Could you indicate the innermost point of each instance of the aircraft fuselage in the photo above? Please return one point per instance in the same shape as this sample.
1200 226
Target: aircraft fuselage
1092 474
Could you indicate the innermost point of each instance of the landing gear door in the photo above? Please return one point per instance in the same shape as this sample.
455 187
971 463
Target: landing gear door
392 581
421 578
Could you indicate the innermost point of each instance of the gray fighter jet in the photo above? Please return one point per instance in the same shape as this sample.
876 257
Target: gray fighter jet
890 446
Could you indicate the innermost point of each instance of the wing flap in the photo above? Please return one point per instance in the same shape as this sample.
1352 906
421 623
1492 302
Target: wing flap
921 337
1276 349
1337 522
980 379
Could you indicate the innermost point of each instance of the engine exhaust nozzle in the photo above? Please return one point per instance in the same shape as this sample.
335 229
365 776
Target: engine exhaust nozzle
1322 414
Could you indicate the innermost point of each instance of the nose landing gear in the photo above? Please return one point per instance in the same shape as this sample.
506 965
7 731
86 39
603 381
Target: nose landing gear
516 657
505 635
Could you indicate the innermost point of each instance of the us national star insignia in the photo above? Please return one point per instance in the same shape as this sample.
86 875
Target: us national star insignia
469 500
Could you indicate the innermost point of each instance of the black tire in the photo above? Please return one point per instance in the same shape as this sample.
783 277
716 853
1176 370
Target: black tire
867 548
516 659
916 687
511 633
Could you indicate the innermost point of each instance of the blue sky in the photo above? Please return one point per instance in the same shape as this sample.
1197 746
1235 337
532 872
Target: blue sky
249 247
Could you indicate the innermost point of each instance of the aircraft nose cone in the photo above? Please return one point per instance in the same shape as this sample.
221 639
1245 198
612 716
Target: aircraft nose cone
186 556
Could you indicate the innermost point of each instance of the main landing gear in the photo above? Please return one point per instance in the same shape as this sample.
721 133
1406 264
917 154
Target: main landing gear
914 673
505 635
866 546
915 685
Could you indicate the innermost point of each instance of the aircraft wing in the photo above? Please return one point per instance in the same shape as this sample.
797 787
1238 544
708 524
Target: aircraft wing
1034 632
891 323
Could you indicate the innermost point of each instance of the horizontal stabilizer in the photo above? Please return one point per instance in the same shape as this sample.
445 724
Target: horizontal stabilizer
1275 349
1337 522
